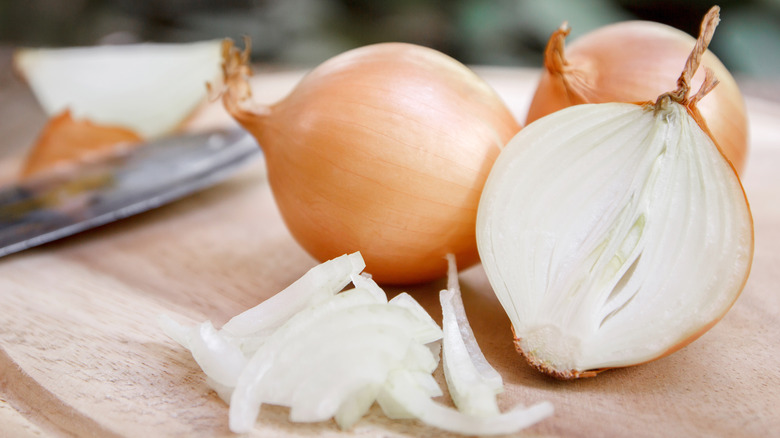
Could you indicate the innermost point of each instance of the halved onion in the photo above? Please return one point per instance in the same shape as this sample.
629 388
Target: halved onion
613 234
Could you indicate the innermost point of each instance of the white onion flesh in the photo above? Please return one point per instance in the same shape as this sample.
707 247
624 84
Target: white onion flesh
403 389
472 381
487 373
319 283
333 355
150 88
613 234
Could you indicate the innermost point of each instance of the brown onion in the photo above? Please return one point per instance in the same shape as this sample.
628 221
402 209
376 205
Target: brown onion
635 61
383 149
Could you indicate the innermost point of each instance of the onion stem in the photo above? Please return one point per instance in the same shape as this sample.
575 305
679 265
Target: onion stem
680 95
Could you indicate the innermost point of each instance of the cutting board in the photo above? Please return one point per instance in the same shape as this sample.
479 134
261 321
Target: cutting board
81 354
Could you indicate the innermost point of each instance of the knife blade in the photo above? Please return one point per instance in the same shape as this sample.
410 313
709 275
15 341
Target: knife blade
60 204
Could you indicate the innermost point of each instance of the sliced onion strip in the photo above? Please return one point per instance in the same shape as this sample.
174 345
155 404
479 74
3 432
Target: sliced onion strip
404 393
320 282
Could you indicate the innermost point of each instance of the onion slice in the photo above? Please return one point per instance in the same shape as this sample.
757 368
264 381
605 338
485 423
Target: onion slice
403 389
319 283
454 316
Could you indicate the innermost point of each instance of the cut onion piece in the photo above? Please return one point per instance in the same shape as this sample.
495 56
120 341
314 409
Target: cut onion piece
487 373
613 234
356 405
148 88
472 382
404 397
220 359
364 281
319 283
174 330
429 331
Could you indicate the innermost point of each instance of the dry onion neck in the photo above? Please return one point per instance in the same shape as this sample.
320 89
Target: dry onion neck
636 61
236 91
680 95
574 81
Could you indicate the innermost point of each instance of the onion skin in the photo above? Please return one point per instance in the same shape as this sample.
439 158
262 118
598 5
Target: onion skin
636 61
383 149
67 140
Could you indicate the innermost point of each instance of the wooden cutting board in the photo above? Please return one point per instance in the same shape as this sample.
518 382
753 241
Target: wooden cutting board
81 354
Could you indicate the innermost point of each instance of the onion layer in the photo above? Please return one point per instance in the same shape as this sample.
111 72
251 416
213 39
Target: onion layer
636 61
614 234
65 140
382 149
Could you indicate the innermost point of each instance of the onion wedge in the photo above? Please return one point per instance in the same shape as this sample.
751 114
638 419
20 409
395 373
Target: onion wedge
147 88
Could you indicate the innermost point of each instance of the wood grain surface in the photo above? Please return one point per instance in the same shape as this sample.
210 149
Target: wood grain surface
81 354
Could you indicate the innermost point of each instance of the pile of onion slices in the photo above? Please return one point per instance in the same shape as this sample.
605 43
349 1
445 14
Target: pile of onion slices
330 354
614 234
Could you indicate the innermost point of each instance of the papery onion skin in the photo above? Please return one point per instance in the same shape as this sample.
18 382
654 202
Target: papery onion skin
65 140
383 149
636 61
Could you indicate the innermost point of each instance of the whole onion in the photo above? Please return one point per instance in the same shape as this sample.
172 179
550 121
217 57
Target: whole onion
635 61
384 150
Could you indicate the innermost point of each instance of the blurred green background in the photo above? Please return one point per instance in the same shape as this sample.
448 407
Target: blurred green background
306 32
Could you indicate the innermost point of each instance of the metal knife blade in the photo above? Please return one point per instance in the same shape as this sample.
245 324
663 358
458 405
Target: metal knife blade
51 207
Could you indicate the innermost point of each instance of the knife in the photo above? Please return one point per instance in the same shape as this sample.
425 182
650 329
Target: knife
60 204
